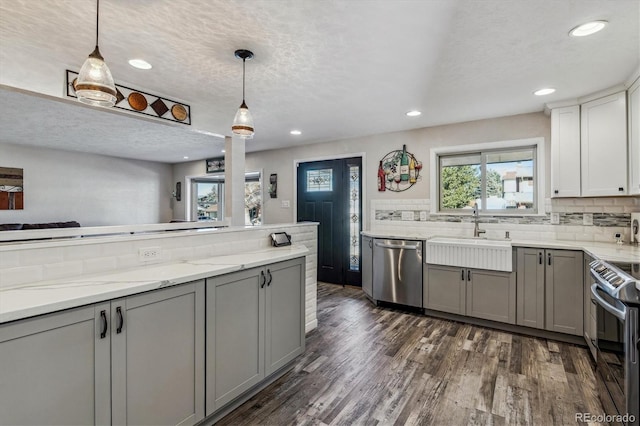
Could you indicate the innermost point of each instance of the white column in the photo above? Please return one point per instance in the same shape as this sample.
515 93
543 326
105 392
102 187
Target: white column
234 150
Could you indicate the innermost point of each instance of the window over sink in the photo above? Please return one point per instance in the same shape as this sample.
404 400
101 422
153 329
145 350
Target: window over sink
500 177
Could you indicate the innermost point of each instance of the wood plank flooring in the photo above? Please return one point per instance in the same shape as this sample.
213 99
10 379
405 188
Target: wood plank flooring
378 366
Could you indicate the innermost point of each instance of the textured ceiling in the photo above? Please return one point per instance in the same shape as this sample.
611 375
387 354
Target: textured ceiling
333 69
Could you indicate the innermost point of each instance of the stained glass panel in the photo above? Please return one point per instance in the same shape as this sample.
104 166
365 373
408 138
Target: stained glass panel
354 218
319 180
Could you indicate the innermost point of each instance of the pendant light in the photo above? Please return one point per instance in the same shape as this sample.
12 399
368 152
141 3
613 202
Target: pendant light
94 85
243 122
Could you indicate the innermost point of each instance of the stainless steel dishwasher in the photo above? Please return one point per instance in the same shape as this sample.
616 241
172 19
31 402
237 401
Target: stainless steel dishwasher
397 271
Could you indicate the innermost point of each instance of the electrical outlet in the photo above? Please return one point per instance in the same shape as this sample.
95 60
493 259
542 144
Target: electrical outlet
555 218
423 215
407 215
285 204
149 253
587 219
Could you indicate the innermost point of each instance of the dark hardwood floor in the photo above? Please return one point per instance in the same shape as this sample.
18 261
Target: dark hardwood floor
369 365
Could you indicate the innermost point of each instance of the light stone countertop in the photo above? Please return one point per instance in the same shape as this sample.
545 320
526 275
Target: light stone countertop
609 252
49 296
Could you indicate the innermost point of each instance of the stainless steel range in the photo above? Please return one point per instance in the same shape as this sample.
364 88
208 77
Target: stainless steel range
618 341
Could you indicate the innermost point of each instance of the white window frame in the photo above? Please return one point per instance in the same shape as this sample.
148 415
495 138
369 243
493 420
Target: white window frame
190 198
539 154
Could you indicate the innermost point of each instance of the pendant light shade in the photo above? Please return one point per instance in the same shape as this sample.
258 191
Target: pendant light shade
94 85
243 121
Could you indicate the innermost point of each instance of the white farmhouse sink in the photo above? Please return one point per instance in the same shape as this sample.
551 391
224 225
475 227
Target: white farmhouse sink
480 253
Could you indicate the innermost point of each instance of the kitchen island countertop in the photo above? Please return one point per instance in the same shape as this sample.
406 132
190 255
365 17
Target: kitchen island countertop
44 297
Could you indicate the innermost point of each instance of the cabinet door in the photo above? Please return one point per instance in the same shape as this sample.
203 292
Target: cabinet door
589 308
530 287
157 347
634 138
55 369
446 289
604 146
491 295
367 266
565 152
563 287
284 321
235 335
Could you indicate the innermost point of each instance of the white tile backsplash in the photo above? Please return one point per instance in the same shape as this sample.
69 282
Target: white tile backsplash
438 224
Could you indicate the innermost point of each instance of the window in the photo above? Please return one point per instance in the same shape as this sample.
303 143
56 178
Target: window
499 180
209 200
208 203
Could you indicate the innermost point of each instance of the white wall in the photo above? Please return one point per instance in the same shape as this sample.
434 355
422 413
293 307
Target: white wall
180 171
418 142
91 189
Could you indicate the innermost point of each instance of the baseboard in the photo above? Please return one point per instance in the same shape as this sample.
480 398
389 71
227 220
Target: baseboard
311 325
512 328
218 415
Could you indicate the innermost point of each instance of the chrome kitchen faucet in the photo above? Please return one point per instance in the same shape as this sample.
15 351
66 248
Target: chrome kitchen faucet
476 229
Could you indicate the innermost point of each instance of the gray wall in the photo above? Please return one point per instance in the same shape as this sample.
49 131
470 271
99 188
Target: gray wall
418 142
91 189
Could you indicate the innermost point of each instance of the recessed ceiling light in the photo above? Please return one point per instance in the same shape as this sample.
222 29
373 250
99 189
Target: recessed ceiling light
141 64
413 113
185 157
545 91
295 132
588 28
223 151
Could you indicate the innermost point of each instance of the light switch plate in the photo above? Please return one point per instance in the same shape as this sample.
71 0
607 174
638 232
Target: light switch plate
555 218
423 215
407 215
285 204
587 219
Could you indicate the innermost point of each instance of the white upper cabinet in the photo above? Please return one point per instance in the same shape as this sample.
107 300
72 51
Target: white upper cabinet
565 152
604 146
634 138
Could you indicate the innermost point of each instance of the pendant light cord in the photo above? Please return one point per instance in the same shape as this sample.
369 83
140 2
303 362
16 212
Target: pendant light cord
97 19
243 62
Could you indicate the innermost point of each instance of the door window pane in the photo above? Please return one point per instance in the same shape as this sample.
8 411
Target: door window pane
320 180
354 218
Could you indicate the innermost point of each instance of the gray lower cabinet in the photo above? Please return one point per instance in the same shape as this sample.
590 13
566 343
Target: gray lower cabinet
491 295
136 360
255 326
55 369
157 357
473 292
589 309
553 306
445 289
530 287
367 265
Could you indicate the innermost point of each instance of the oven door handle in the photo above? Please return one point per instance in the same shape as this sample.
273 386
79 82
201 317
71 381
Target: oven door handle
621 314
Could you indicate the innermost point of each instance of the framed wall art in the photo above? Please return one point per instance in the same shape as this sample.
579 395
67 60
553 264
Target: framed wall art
11 188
